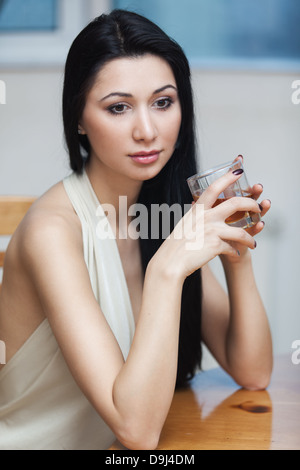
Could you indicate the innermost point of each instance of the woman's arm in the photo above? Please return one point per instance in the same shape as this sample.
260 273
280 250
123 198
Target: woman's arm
235 328
133 397
248 341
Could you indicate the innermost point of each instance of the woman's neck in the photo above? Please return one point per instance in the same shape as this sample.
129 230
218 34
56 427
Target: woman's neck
113 189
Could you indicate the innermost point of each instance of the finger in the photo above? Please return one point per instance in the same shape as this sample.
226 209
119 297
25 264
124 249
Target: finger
265 205
228 248
210 195
239 157
236 204
238 235
256 191
255 229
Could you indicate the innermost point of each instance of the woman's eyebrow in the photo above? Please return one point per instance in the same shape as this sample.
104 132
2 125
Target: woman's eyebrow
159 90
117 93
129 95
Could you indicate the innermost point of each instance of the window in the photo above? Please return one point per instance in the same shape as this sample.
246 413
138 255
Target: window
28 15
255 33
40 32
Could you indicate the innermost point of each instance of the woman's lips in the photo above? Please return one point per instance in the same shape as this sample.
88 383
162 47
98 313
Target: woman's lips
145 157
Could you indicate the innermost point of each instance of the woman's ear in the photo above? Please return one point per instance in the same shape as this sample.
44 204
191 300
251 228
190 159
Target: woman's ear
81 131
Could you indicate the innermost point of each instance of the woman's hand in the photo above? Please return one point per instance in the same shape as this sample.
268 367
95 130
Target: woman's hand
265 205
202 234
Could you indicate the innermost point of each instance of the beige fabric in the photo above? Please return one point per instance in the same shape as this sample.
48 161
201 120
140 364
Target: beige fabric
41 407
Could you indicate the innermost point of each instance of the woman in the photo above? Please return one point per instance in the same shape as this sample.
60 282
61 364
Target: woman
99 330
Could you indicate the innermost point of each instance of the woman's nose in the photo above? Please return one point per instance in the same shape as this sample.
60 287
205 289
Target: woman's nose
144 127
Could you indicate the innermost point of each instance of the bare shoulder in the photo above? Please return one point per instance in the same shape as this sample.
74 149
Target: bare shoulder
45 244
49 221
53 206
48 238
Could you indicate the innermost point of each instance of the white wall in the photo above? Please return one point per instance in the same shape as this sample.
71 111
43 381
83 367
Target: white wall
32 154
238 112
252 114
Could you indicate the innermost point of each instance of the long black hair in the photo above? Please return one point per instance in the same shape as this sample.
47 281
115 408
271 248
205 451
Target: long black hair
126 34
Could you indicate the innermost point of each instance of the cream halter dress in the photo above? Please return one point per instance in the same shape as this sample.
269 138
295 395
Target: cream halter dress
41 406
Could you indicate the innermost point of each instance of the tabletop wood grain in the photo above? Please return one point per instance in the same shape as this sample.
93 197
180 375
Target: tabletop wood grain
215 413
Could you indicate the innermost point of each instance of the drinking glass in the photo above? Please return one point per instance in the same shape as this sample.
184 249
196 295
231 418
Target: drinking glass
199 183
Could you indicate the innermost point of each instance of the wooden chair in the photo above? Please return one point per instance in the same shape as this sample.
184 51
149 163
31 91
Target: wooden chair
12 211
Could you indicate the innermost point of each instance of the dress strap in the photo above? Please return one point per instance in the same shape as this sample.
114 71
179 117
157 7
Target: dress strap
103 260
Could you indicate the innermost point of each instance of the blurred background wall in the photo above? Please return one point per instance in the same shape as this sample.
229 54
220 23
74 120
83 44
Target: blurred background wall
245 60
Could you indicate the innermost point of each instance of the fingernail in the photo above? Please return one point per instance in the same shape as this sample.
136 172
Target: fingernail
261 185
241 156
238 172
255 244
269 201
260 206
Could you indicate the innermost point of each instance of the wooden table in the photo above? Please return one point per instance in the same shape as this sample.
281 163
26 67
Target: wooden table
214 413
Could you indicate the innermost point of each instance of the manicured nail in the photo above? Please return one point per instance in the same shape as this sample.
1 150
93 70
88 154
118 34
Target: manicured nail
260 206
255 244
241 156
238 172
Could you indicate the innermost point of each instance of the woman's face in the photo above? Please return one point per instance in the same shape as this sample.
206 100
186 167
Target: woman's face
132 117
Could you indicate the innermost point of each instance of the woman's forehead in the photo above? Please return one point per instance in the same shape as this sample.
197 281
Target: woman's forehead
148 71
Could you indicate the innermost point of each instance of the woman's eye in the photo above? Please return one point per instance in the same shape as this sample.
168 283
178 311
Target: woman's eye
117 108
163 103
